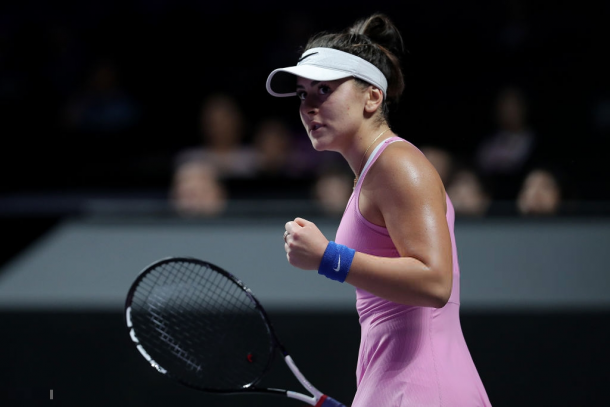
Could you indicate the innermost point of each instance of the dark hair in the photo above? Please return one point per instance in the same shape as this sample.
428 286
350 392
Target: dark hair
376 40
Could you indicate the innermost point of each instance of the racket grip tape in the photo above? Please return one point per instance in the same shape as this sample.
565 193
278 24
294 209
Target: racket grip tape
326 401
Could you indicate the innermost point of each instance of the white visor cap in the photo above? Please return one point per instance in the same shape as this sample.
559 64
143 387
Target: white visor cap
325 64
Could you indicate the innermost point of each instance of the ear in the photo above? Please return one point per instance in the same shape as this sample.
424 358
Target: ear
374 99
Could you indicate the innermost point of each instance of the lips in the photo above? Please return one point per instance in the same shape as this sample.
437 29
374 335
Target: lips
314 126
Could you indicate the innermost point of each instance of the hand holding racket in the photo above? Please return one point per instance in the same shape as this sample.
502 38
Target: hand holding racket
201 326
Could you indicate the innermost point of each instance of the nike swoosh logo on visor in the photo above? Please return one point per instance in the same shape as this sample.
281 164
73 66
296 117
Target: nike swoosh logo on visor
306 56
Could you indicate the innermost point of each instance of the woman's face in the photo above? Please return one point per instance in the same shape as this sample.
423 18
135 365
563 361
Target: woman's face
331 111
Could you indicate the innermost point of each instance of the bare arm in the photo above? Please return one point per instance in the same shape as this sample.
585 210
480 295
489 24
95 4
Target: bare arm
402 192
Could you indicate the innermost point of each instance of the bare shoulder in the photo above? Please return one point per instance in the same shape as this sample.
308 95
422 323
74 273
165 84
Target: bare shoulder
402 164
401 184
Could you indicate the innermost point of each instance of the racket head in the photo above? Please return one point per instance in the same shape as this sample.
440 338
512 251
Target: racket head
199 325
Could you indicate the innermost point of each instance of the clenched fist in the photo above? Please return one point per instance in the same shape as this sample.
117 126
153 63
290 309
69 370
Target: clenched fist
304 244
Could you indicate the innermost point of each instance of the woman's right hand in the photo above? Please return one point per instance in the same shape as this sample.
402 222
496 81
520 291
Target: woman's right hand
304 244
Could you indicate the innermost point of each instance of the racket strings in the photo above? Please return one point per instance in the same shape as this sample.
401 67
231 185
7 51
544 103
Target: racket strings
201 325
179 319
174 305
164 335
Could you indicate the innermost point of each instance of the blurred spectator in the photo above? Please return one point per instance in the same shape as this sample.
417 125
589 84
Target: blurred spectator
308 161
468 194
273 144
103 106
540 193
280 153
463 185
222 142
332 190
196 190
503 156
441 160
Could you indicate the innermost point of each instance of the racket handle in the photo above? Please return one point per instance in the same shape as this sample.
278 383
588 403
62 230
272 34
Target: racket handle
326 401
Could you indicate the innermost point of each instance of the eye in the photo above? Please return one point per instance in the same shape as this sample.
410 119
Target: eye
301 95
324 89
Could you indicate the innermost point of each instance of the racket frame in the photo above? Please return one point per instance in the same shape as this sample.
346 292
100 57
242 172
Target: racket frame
275 343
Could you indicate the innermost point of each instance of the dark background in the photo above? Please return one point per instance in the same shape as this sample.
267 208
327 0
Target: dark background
170 54
524 359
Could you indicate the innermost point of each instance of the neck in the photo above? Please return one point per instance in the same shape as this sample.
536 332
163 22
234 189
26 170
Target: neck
363 145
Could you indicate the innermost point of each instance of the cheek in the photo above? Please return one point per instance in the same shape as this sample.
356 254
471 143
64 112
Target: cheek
348 107
347 115
302 116
338 111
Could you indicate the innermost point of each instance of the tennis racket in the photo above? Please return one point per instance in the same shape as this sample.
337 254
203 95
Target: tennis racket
201 326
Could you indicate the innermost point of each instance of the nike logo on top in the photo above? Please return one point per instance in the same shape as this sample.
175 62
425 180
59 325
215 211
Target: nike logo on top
306 56
338 264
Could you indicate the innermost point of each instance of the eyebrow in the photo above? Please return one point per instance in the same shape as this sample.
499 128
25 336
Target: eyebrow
313 83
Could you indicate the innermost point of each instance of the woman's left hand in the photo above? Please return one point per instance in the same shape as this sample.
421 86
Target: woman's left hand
304 244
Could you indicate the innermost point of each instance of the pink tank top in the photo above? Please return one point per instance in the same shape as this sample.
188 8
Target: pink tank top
409 356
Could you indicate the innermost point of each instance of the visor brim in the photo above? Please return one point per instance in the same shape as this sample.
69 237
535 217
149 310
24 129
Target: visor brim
282 81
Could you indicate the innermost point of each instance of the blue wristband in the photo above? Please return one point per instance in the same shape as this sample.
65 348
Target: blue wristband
336 261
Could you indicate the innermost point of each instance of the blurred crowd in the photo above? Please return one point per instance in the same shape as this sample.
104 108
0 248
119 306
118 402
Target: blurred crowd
124 95
505 166
276 161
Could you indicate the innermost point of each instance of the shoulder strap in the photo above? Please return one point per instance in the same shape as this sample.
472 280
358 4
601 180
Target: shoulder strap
373 157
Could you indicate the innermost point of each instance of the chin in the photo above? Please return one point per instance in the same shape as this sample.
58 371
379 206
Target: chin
318 146
321 144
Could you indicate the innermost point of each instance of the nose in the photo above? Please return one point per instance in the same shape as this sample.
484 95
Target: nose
309 106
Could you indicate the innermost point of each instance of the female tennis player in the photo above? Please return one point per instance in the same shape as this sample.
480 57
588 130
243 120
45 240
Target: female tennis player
395 242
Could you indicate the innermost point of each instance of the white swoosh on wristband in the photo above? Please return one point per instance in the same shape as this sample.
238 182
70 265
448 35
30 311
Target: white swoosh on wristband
338 264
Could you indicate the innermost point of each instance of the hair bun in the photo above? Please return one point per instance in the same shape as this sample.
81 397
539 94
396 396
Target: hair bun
376 40
381 31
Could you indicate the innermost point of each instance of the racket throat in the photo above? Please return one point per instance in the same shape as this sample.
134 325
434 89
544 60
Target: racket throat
301 397
297 373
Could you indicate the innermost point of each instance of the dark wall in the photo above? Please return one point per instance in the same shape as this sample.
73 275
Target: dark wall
170 54
533 359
